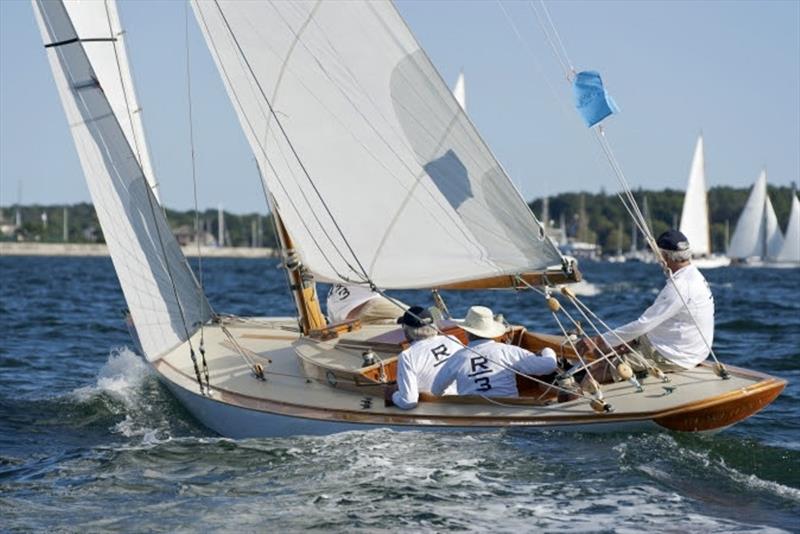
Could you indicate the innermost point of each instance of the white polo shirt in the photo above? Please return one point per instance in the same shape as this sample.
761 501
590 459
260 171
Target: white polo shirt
343 299
669 326
418 365
483 368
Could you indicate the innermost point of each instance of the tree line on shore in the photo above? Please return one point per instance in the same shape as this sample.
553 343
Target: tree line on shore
591 217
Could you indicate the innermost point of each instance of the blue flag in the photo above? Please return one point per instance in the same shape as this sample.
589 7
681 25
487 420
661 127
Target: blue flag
591 99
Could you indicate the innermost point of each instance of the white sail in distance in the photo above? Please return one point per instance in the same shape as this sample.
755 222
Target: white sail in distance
165 301
790 252
460 91
748 236
375 170
694 216
772 232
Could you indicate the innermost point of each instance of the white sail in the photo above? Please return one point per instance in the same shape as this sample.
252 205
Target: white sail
694 217
772 232
165 301
375 170
460 91
748 237
790 252
98 19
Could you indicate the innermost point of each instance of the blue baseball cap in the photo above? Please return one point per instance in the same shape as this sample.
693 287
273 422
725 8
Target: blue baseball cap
672 240
416 316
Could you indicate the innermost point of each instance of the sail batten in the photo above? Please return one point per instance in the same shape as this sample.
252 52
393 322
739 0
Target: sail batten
376 171
164 299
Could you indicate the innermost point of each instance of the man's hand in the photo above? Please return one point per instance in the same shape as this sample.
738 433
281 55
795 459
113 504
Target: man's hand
589 345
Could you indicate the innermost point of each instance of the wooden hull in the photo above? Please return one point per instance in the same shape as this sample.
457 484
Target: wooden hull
306 392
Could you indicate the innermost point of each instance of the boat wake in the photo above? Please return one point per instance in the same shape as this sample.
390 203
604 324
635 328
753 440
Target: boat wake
127 387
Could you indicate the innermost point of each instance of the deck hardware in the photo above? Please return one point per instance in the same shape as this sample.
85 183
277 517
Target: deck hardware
368 358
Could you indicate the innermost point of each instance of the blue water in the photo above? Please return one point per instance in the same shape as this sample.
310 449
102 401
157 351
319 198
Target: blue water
90 441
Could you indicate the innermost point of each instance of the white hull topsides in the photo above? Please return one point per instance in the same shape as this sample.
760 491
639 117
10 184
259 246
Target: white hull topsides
309 390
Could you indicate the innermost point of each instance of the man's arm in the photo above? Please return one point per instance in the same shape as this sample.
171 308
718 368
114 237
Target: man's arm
447 374
531 363
407 393
666 305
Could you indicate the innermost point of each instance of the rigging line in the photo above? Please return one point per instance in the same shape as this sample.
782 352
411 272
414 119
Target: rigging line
584 309
556 94
547 33
125 93
79 98
288 141
201 294
252 130
558 36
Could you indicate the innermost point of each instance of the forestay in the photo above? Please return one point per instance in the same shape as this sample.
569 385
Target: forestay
374 167
164 298
694 217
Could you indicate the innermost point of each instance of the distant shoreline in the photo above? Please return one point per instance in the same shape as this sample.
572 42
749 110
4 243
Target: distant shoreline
12 248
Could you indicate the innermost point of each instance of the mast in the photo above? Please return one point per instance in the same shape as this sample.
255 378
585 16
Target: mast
302 287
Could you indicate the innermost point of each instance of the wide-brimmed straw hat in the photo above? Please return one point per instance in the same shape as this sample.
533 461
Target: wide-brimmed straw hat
480 322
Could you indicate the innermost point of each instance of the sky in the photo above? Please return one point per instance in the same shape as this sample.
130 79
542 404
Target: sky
730 70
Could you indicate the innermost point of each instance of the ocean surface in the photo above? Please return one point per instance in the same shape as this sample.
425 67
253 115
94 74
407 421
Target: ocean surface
90 440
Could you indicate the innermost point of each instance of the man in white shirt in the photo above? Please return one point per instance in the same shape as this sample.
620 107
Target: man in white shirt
419 363
486 367
346 302
665 333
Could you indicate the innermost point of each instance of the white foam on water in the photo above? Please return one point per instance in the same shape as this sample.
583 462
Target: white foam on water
121 377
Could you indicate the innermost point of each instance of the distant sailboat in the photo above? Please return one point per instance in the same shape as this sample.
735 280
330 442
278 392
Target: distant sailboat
460 91
694 216
757 237
789 254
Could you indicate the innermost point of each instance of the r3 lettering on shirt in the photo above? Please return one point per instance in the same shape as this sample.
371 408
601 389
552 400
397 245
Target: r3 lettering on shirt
479 365
440 354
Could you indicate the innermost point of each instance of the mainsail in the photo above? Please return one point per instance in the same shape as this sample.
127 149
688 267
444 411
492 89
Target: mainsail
790 252
694 217
376 172
92 76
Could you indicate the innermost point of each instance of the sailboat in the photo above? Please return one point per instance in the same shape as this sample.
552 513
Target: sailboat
337 116
619 257
694 216
789 255
757 238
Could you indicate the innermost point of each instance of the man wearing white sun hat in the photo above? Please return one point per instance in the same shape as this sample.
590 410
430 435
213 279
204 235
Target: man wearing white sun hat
486 367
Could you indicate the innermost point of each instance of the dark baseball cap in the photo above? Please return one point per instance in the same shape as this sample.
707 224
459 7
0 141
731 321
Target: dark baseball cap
672 240
416 316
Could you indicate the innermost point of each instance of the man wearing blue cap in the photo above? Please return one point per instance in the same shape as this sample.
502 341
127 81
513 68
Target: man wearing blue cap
666 333
418 364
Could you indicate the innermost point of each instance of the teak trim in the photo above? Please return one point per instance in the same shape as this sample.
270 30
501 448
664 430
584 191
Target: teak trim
512 280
